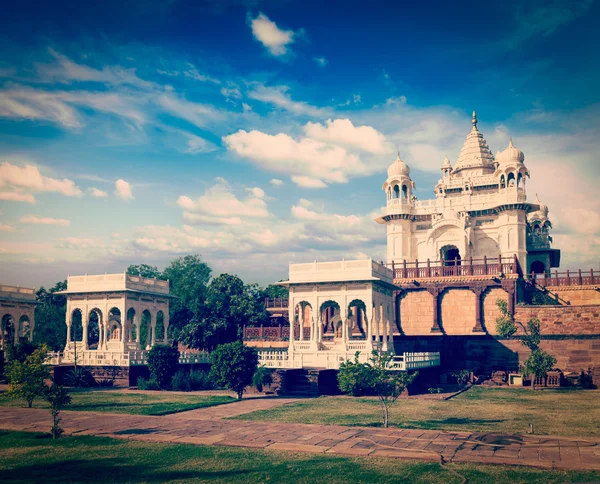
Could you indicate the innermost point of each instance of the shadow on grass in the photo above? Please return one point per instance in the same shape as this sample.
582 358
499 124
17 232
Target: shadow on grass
105 470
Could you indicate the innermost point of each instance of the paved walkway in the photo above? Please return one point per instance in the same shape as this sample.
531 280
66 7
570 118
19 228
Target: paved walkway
207 427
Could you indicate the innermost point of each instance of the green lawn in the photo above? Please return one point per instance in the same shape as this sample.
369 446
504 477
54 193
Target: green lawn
29 457
552 412
154 403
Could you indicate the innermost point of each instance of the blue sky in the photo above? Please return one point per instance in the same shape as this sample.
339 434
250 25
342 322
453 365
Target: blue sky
258 133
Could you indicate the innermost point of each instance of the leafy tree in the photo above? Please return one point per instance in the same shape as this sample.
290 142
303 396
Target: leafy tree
26 378
145 270
262 377
539 362
230 304
355 377
274 291
387 385
233 366
162 363
50 327
58 398
19 352
188 277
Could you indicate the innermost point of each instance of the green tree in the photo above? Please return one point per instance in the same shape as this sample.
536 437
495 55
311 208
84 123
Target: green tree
188 277
387 385
355 377
50 327
26 378
162 364
233 366
58 398
539 362
262 377
145 270
274 291
230 304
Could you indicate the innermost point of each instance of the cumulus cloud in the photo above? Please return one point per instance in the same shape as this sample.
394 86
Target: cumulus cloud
279 96
97 193
34 219
6 228
311 163
267 32
276 182
219 205
123 190
17 183
343 132
78 243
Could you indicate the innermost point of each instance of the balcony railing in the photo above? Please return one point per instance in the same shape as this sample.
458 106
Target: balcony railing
456 268
276 303
567 278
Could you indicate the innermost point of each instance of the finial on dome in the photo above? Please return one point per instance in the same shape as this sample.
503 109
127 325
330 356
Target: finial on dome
474 120
510 144
398 155
537 198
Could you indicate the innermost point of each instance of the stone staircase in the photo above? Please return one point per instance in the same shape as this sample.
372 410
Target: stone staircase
301 383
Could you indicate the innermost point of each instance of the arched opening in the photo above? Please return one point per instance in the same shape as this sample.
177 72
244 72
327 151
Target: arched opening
132 330
537 267
404 192
502 181
450 255
160 326
93 329
389 193
8 330
25 328
76 326
357 311
114 325
331 318
510 179
536 229
396 191
302 320
145 329
520 181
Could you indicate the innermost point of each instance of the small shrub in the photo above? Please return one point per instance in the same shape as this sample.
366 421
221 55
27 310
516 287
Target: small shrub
233 366
26 378
355 378
200 380
461 376
262 377
434 390
58 398
106 382
162 363
180 382
79 377
147 384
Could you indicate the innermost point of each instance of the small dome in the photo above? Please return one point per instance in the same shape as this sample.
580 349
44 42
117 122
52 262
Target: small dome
543 208
510 154
398 168
446 163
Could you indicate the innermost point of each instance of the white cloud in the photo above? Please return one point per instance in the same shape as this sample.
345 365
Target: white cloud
219 205
196 144
310 163
6 228
270 35
78 243
276 182
303 202
34 219
97 193
18 183
278 96
396 101
343 132
246 107
123 190
321 61
232 92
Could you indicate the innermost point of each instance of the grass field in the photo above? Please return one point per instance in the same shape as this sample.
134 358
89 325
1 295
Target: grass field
153 403
552 412
29 457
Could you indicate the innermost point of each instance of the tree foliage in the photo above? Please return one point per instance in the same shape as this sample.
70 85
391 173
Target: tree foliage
230 304
387 385
145 270
233 366
50 313
262 377
58 398
539 362
162 364
26 378
274 291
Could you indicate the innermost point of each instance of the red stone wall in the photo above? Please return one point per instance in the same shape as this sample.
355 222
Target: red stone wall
490 309
563 320
416 312
458 311
576 295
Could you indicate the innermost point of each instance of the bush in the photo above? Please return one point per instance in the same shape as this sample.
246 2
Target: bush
19 352
162 363
79 378
434 390
58 398
233 366
26 378
355 378
192 381
149 384
262 377
462 377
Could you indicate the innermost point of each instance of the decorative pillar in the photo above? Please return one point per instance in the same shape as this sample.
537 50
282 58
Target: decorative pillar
369 326
137 320
85 321
106 327
153 329
69 322
435 292
478 290
291 320
17 328
166 323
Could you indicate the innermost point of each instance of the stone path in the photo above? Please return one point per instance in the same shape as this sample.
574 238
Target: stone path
192 428
232 409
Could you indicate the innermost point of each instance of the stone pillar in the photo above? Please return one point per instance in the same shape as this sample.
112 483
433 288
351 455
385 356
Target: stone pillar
166 323
376 319
69 322
85 322
153 329
369 325
344 317
291 320
435 292
478 290
137 320
17 330
106 327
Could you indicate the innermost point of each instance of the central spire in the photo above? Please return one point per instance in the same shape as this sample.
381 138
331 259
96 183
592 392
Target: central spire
474 119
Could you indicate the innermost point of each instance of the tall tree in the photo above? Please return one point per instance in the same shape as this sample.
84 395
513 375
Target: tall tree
230 304
274 291
145 270
188 277
50 314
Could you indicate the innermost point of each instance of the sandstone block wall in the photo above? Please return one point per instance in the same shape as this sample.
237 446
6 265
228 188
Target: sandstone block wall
562 320
490 311
416 312
576 295
457 312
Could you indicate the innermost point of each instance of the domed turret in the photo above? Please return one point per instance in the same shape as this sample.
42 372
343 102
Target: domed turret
510 154
398 168
398 185
446 167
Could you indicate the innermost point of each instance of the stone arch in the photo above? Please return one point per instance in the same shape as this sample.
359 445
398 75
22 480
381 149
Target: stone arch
537 267
330 316
510 179
132 328
77 325
8 329
416 312
146 329
396 191
450 255
25 328
357 314
502 181
404 191
160 326
490 310
94 328
115 327
458 308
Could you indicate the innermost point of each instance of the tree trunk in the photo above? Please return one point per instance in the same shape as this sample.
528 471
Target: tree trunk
239 394
29 403
385 416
